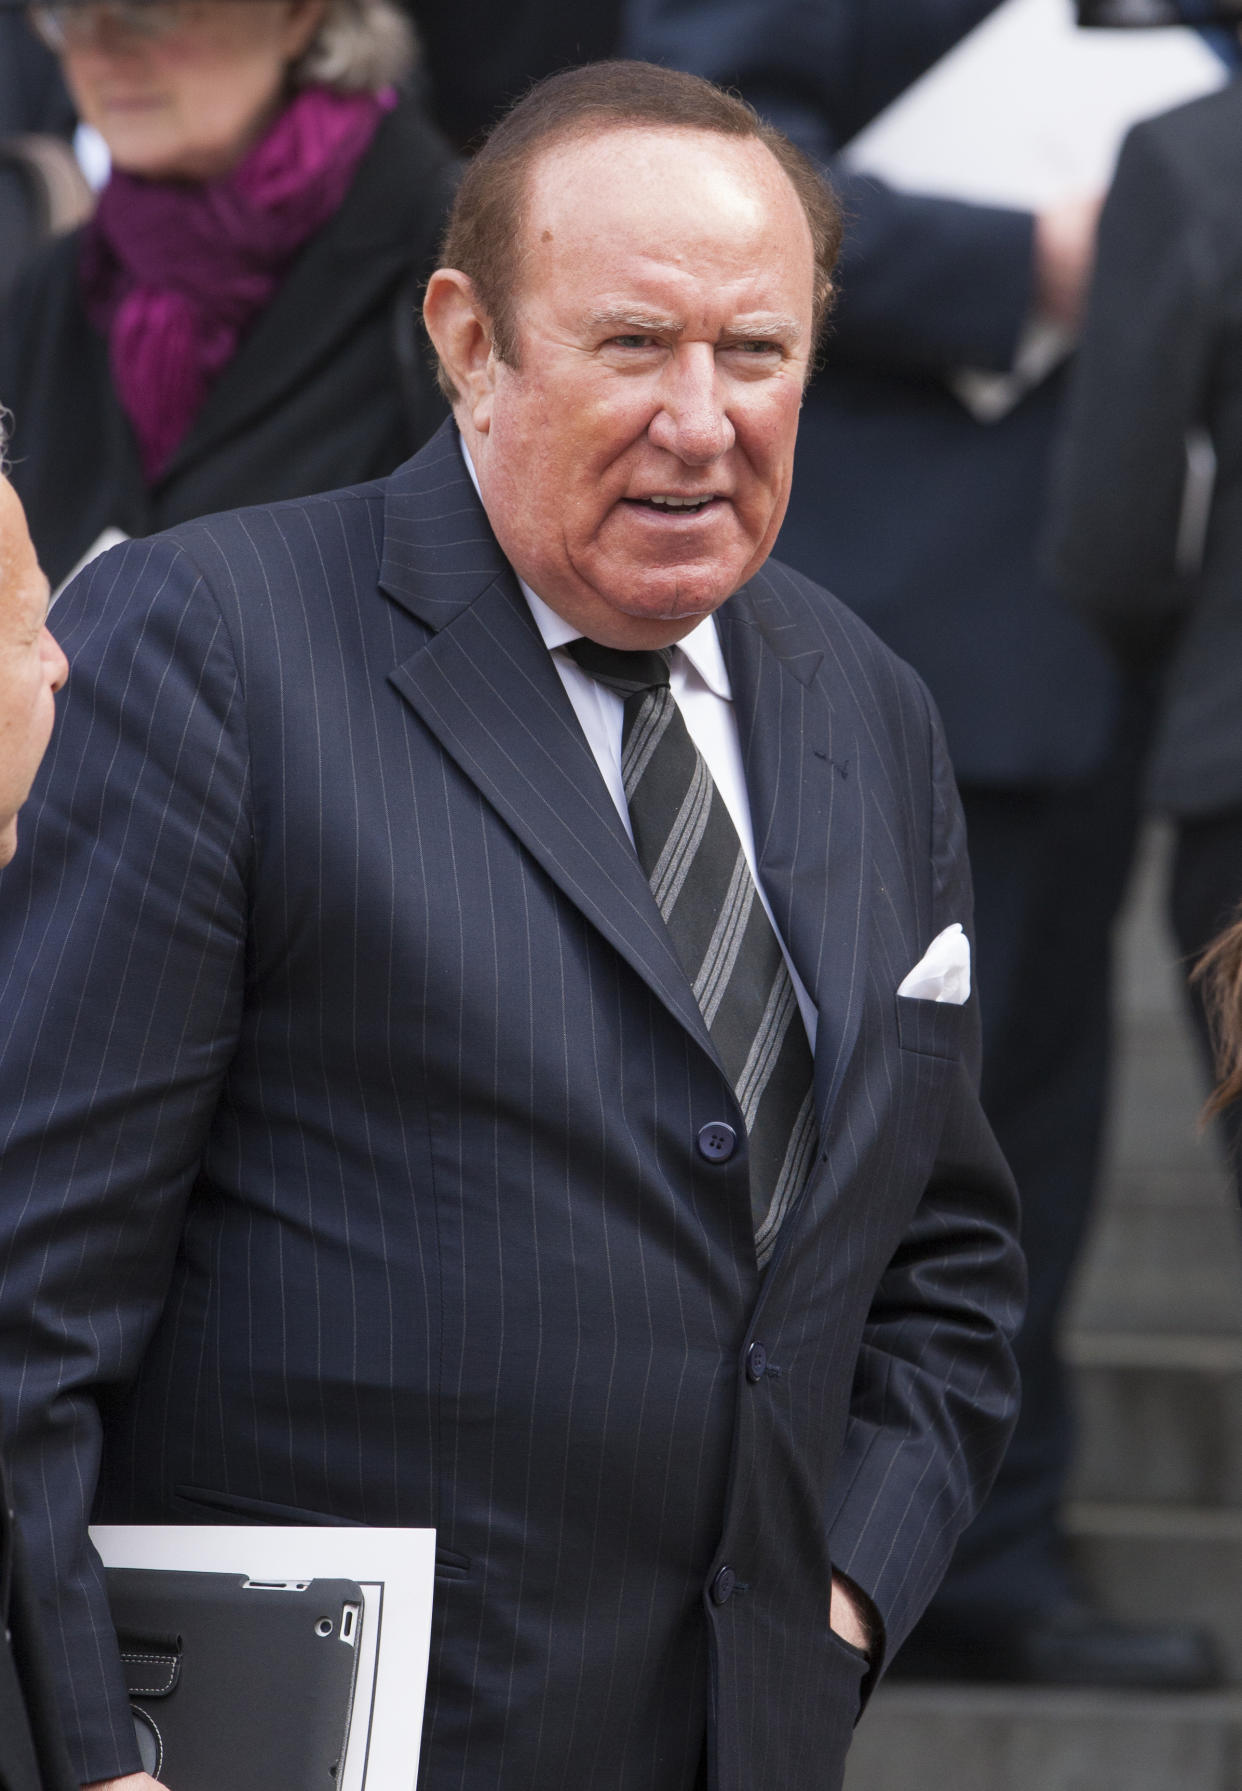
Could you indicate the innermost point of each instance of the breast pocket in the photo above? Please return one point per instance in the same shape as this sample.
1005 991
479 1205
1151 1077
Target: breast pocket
935 1028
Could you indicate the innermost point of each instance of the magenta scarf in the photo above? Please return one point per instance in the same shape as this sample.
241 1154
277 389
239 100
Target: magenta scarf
173 272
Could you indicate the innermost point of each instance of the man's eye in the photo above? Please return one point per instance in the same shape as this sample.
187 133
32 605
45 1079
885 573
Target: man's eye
760 346
632 341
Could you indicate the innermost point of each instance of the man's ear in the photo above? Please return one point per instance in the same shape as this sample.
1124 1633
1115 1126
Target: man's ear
461 334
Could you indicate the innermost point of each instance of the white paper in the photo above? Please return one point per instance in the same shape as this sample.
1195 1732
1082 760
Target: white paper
396 1570
1028 109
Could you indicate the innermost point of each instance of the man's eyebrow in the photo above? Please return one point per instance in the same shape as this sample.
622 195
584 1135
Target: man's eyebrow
606 318
767 327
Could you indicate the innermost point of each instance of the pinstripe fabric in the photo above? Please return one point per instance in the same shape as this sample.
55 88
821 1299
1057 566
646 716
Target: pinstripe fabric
349 1098
31 1754
689 848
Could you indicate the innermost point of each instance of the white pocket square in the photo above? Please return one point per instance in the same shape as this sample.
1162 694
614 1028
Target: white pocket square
943 972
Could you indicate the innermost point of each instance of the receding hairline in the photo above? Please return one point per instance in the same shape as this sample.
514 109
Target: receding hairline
593 130
595 126
584 136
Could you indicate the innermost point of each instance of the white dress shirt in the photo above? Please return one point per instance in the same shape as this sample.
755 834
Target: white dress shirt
700 685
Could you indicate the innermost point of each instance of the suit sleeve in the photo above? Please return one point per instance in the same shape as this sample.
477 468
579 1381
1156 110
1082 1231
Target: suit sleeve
1140 384
926 285
936 1389
122 923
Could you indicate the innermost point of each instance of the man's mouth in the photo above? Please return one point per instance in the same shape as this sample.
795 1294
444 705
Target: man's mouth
680 505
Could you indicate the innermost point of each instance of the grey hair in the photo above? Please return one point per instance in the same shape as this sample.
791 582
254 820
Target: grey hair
361 46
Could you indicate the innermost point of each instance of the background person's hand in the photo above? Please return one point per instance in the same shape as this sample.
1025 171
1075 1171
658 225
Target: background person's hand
1064 258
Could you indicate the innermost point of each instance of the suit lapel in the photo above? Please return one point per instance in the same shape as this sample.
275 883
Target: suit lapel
485 685
809 819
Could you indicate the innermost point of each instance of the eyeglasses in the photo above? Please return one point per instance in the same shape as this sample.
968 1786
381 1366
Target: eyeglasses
68 26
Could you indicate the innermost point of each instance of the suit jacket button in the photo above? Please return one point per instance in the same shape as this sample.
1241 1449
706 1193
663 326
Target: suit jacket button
756 1362
723 1586
717 1142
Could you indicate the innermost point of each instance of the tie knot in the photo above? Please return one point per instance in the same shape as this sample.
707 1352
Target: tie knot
622 671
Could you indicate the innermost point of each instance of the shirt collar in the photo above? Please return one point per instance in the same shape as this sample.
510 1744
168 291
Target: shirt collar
701 646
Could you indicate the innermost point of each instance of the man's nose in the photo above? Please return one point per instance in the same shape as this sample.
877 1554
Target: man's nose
692 421
54 660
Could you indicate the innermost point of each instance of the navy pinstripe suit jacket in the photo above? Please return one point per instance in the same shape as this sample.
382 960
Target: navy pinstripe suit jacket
349 1112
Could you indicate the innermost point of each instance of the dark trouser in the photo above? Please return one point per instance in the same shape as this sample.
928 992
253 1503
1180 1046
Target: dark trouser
1050 868
1204 896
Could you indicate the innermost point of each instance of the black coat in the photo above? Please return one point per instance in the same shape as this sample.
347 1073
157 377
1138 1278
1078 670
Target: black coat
330 386
1162 355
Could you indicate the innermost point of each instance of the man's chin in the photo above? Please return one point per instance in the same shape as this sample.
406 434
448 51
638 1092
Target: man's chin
632 603
675 593
660 622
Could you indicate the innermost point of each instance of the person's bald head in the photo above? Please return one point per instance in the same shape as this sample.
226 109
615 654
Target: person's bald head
32 666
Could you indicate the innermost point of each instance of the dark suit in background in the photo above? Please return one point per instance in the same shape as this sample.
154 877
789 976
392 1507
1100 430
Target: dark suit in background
1162 360
928 523
478 56
356 1145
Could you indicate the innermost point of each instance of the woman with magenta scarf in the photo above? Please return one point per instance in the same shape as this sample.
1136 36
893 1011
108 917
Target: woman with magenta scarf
235 324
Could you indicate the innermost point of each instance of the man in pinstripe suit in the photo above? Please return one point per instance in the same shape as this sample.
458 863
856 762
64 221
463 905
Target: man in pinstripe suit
373 1156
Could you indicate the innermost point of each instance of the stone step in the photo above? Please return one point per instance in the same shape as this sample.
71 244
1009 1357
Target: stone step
923 1738
1165 1563
1157 1097
1164 1252
1161 1265
1160 1418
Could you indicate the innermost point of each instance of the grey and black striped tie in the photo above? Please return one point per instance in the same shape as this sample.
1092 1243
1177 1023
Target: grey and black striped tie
688 847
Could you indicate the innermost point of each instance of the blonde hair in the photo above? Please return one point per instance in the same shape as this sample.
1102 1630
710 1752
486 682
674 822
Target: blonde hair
361 46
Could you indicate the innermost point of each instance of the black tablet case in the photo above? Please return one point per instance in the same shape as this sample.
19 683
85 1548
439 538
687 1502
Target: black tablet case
234 1686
